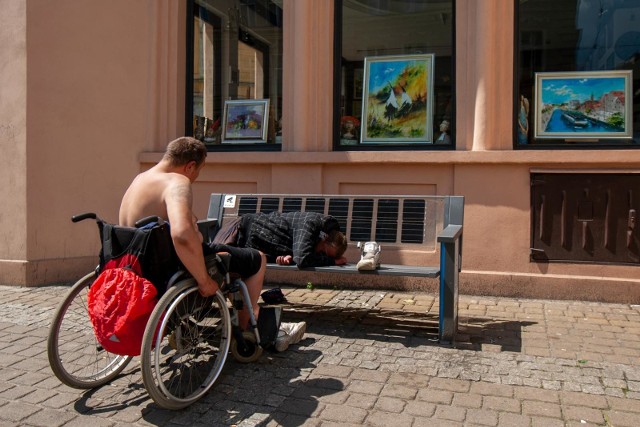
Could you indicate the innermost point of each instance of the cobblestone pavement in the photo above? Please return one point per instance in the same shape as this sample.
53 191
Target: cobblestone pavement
368 358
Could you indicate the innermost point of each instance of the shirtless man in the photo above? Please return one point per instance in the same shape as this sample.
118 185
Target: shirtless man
165 191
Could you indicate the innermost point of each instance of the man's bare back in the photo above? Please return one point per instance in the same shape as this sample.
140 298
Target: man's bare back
146 195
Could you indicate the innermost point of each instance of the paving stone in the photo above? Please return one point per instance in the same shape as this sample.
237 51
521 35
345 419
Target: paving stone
483 417
365 387
452 413
337 413
399 391
49 418
507 419
435 396
420 409
450 384
488 389
542 409
17 411
622 419
583 399
390 404
583 413
501 404
467 400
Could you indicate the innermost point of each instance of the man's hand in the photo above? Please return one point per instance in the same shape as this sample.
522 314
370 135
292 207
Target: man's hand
209 288
284 260
341 260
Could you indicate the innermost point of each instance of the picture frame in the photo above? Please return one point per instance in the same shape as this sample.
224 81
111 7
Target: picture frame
397 100
245 121
583 106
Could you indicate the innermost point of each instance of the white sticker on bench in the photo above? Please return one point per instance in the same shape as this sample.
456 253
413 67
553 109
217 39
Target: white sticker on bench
229 201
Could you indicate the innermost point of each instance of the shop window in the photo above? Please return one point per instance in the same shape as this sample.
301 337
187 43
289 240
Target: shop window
394 75
577 74
234 74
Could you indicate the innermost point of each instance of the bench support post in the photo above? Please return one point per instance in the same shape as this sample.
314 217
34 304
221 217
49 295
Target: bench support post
448 322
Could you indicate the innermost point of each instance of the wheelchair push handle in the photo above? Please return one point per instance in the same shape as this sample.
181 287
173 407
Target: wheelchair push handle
82 217
140 223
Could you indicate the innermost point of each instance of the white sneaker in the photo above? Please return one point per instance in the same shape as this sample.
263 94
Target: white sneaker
289 333
370 258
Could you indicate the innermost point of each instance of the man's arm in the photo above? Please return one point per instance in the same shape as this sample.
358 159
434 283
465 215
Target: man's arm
304 246
185 235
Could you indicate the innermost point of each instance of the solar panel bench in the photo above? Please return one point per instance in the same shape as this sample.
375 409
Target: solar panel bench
411 229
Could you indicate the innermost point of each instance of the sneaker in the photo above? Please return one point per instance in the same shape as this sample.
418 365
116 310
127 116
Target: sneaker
289 333
370 258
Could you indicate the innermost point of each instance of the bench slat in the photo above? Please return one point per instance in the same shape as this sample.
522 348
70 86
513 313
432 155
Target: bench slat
383 270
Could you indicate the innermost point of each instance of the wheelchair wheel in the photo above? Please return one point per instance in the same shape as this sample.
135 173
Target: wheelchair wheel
75 355
185 345
249 352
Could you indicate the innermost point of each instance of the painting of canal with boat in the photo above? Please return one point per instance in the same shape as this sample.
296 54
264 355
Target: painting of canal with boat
583 105
397 99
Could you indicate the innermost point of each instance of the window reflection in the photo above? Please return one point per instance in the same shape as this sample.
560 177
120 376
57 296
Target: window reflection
578 36
237 55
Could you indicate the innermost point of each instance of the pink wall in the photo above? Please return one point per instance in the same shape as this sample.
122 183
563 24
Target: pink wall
13 135
99 87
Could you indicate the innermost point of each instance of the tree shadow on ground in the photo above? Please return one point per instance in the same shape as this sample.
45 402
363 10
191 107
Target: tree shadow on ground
410 328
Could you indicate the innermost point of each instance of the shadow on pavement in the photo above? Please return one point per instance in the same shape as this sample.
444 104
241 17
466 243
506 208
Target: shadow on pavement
276 388
410 328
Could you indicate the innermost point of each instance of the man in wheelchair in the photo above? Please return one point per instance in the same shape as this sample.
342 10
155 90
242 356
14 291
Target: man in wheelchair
165 191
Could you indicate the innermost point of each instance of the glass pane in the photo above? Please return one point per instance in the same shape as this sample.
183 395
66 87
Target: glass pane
397 70
237 54
206 76
578 62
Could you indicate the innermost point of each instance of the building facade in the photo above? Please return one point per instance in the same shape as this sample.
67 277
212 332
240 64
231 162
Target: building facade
92 91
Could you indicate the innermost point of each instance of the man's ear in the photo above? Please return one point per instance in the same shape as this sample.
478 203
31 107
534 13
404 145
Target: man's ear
190 166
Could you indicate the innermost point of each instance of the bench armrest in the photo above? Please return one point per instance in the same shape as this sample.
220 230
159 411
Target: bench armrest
450 233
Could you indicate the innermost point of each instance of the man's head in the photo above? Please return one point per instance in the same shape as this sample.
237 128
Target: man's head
186 153
334 245
184 150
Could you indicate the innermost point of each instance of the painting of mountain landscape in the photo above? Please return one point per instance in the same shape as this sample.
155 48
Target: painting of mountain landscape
397 103
586 105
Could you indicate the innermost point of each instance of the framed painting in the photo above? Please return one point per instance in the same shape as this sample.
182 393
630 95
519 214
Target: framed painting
245 121
583 106
398 99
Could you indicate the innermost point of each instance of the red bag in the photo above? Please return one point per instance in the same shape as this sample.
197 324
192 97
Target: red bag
120 304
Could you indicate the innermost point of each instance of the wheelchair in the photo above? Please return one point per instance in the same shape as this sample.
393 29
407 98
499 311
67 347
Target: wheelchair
185 343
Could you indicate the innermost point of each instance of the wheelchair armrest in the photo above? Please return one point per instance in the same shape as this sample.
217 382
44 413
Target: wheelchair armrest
208 228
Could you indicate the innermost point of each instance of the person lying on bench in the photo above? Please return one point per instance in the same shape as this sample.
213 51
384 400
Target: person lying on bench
307 239
165 191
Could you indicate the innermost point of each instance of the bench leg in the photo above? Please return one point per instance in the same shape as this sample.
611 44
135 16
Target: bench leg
449 272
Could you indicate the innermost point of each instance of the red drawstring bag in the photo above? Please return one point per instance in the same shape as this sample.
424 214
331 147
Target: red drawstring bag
120 304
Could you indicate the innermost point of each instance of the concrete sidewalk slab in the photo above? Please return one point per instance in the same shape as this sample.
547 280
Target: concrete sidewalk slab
368 358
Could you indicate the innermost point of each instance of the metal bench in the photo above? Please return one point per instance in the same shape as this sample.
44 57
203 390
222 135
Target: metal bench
411 230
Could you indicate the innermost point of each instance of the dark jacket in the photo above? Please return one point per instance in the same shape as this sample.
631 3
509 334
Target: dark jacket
291 233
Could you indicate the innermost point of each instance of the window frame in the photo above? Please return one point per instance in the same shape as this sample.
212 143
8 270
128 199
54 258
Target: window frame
190 34
549 144
337 82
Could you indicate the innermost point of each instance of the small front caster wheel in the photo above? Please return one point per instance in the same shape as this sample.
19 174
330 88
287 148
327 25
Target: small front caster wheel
247 353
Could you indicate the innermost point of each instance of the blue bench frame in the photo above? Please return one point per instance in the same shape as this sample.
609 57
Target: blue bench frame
449 238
